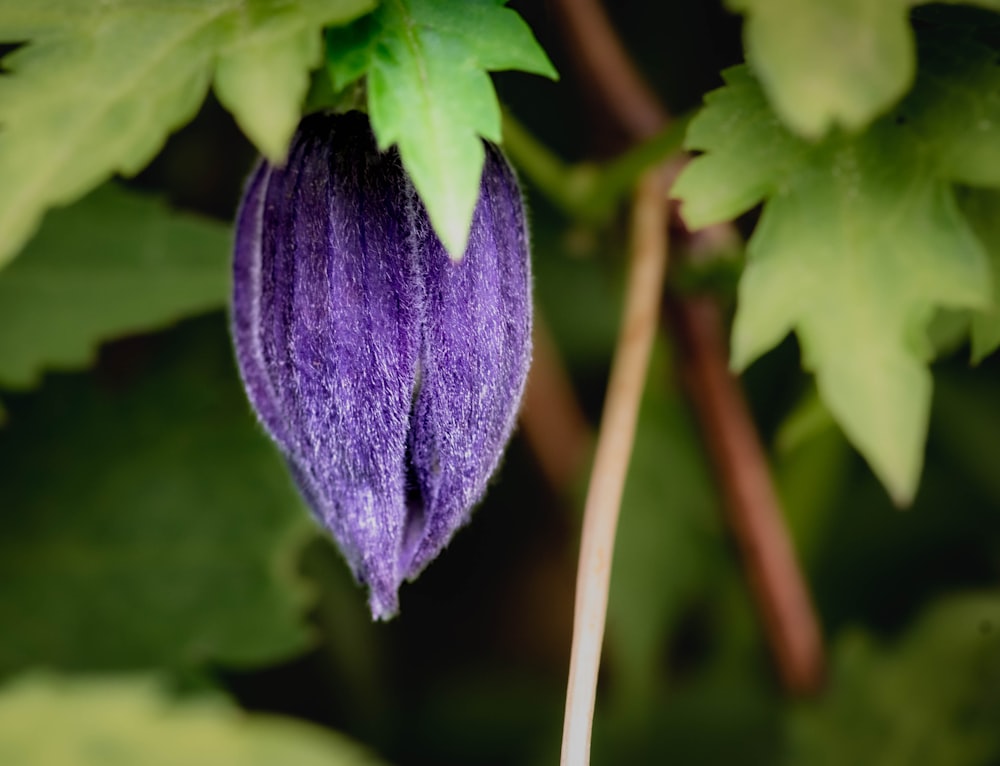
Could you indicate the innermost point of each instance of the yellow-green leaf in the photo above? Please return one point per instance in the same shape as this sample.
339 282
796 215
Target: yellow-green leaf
97 87
860 240
48 720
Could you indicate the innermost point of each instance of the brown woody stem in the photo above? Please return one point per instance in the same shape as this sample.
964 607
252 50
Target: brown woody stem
754 512
551 419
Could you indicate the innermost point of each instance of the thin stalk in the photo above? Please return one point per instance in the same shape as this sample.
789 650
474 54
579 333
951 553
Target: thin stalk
605 65
662 149
551 417
754 516
587 190
780 589
566 185
611 459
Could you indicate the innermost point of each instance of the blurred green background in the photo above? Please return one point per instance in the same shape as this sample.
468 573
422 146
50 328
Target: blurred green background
151 544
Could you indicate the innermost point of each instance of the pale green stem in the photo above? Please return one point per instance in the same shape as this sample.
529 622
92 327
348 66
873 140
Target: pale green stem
588 191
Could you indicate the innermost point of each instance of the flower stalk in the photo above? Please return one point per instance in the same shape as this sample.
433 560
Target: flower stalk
640 320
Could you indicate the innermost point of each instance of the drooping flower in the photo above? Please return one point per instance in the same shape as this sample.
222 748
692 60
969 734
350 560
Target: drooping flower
388 374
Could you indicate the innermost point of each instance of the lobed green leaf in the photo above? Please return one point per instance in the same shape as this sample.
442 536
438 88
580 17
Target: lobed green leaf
430 94
829 63
98 86
860 241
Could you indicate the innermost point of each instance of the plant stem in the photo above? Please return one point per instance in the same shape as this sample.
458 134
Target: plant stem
754 513
662 150
757 524
586 190
564 184
605 65
611 459
551 418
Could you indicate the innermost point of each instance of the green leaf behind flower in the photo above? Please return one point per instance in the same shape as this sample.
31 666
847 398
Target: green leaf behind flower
97 87
827 63
146 521
112 264
860 241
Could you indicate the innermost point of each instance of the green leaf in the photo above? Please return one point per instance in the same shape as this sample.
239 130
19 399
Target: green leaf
114 263
982 208
829 62
931 700
99 86
429 92
860 240
351 48
134 720
825 63
147 520
263 70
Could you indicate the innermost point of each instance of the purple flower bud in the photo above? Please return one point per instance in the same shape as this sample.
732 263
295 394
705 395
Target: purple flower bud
388 374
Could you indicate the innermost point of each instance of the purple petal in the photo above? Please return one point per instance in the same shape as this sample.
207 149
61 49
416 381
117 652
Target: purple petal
340 320
388 375
247 289
474 361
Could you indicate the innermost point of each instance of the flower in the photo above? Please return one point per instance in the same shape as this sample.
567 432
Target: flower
388 374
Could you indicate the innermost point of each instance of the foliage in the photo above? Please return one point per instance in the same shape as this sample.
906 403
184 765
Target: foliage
96 88
951 659
162 501
860 240
133 720
826 63
429 92
112 264
148 527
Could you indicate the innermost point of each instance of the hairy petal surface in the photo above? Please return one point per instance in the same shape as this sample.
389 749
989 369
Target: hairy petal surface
331 360
388 374
475 357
